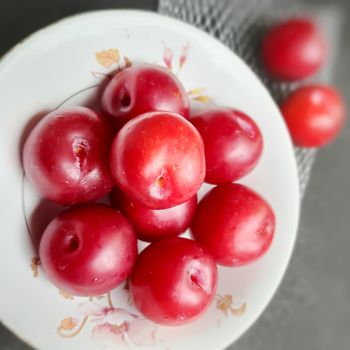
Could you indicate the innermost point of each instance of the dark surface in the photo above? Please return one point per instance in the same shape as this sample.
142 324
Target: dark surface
311 309
21 18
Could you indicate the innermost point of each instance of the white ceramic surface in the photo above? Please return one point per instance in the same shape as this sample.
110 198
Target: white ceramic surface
63 64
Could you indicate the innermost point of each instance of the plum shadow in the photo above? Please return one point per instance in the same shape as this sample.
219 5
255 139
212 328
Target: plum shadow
42 215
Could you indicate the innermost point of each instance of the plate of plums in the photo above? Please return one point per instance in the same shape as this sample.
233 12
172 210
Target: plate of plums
149 194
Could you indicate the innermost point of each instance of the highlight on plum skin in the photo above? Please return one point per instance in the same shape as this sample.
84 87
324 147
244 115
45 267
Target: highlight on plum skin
143 88
88 249
174 281
157 159
66 156
234 224
233 143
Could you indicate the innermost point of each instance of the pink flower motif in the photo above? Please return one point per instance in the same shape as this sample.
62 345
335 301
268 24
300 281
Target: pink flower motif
117 325
117 316
168 57
142 332
110 334
184 54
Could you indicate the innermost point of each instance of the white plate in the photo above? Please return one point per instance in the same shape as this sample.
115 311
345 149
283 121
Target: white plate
61 64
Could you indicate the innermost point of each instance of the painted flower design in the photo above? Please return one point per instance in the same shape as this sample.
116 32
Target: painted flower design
107 58
110 325
197 95
224 303
168 57
111 58
35 262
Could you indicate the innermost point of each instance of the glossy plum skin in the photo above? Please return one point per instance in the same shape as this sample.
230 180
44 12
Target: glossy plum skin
174 281
234 224
88 250
152 224
294 49
66 156
158 160
232 142
141 89
314 115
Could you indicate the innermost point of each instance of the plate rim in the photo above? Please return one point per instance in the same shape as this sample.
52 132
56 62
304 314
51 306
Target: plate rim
8 56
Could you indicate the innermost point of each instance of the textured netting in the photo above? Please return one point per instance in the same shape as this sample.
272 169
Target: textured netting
240 24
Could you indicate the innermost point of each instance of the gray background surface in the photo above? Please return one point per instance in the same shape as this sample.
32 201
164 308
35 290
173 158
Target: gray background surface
311 309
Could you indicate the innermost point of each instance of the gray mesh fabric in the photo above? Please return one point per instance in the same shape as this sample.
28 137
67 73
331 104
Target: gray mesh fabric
240 24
